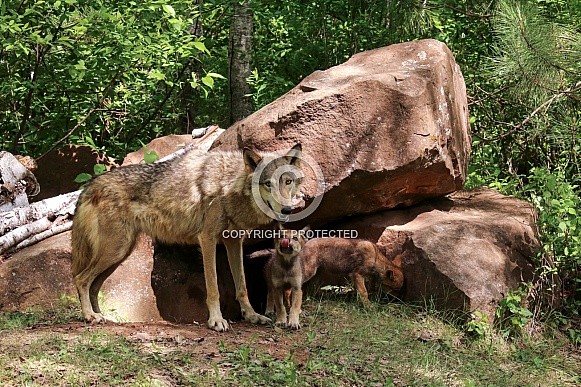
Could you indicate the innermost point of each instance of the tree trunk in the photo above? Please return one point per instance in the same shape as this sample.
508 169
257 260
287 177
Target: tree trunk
241 26
188 94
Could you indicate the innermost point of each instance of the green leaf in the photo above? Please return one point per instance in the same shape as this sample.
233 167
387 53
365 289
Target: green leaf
208 81
200 46
169 10
150 156
215 75
82 178
99 169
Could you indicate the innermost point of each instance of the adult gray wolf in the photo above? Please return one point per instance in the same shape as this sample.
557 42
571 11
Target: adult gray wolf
284 275
191 199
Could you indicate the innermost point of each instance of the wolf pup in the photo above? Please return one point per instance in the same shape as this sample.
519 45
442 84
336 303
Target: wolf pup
356 258
284 274
191 199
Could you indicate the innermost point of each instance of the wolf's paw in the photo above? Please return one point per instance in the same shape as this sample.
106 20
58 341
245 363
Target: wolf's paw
96 318
218 324
256 318
281 323
293 323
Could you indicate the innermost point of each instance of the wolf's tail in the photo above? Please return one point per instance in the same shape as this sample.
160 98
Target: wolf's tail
84 236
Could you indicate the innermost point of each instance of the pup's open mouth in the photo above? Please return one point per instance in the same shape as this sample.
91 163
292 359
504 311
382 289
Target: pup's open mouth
285 246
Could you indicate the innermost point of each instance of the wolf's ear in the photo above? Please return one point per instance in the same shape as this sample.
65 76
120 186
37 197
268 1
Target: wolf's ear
306 228
251 159
294 154
280 226
397 260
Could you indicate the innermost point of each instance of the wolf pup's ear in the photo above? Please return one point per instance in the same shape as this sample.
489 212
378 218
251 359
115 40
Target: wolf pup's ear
397 260
251 159
294 154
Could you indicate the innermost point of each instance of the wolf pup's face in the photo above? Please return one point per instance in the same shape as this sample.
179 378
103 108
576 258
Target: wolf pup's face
392 279
290 242
279 181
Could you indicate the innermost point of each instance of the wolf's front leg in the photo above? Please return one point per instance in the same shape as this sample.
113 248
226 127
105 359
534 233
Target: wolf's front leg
234 250
295 310
216 321
359 282
269 302
281 317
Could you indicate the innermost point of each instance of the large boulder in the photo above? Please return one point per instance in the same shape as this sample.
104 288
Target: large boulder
389 127
464 252
37 275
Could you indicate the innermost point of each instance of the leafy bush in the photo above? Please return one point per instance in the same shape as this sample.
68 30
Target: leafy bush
102 73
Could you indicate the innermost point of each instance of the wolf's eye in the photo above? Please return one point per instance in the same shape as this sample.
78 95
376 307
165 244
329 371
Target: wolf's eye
295 239
267 184
288 181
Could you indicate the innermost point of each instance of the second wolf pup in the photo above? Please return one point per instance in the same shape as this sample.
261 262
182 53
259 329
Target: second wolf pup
357 259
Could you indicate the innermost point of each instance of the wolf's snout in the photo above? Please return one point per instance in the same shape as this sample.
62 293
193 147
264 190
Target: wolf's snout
286 210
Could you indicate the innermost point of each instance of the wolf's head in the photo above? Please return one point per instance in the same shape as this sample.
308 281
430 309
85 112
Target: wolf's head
289 243
279 179
391 278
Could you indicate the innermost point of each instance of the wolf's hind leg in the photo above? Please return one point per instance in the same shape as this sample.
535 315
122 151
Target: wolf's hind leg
96 286
234 250
90 279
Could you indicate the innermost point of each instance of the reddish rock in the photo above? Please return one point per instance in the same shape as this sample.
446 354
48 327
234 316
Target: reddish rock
180 288
463 253
163 146
57 170
37 275
388 127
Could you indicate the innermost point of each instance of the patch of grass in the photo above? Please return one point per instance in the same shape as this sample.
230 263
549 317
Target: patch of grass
341 344
64 310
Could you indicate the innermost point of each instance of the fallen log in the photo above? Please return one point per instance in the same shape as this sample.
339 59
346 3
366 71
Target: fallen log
16 183
58 205
56 229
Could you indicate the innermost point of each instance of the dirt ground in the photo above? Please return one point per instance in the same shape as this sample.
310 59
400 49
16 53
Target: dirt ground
195 338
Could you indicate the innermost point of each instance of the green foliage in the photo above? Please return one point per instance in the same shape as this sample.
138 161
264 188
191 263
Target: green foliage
478 325
114 74
558 203
99 73
149 156
511 315
526 124
98 169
